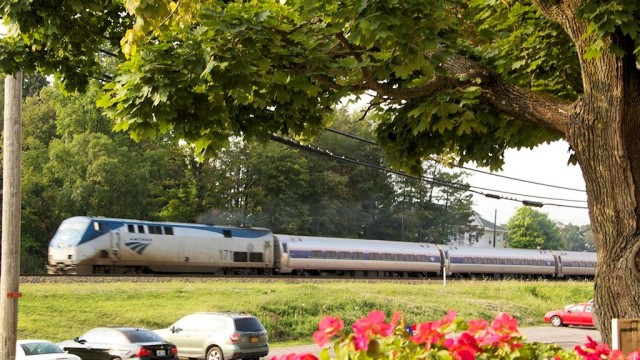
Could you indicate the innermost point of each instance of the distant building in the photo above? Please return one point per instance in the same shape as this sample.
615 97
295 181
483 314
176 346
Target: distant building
480 232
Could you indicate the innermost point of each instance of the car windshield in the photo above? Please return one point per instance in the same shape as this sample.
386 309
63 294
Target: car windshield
142 336
248 324
37 348
70 232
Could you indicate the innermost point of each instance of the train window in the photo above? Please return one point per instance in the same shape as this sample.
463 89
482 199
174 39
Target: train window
255 257
330 254
240 256
155 230
98 226
132 228
398 257
344 255
285 248
168 230
358 255
388 256
226 233
316 254
374 256
141 229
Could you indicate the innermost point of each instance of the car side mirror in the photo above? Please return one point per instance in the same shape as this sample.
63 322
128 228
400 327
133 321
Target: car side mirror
175 329
78 340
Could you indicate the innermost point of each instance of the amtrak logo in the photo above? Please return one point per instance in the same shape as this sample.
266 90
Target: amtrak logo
137 246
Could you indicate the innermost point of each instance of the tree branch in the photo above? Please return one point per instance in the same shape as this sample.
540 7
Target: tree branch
523 104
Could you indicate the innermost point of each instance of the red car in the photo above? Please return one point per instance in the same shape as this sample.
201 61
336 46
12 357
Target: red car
578 314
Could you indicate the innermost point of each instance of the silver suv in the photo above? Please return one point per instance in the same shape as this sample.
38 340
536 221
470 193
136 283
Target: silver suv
218 336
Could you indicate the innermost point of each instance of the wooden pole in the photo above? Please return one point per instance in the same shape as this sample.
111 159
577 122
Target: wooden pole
11 192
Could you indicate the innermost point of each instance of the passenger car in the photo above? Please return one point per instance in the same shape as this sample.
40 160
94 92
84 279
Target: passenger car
218 336
41 350
578 314
115 343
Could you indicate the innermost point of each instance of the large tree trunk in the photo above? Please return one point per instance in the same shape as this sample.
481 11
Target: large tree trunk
605 134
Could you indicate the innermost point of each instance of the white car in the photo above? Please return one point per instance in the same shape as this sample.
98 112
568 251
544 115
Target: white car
41 350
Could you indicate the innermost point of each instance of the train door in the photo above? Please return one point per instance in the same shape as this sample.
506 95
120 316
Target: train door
558 266
445 263
115 245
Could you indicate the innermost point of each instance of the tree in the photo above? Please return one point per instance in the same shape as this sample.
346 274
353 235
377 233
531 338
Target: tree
466 77
531 229
573 237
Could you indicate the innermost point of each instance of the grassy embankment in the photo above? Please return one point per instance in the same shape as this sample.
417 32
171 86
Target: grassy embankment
290 312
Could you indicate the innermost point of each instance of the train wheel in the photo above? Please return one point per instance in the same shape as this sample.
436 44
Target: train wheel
556 321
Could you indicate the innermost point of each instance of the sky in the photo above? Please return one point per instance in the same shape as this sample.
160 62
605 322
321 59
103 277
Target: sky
546 164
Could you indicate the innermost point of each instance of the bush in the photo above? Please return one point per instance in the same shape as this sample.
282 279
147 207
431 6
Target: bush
450 338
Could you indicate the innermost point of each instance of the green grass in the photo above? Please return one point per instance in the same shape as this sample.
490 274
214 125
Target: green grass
289 311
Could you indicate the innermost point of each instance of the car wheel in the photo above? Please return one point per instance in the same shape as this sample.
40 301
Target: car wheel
556 321
215 354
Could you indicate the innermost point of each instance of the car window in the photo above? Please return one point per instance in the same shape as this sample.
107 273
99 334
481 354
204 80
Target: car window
37 348
589 308
95 335
576 308
216 324
248 324
142 336
113 337
187 323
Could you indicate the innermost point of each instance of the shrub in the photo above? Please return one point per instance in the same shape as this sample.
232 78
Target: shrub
450 338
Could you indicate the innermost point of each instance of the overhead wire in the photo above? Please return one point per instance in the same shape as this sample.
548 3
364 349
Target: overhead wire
453 185
463 167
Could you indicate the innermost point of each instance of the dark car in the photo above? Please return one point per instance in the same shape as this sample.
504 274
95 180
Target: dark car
218 336
115 343
578 314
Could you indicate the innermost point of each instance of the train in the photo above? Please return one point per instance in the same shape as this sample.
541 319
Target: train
86 245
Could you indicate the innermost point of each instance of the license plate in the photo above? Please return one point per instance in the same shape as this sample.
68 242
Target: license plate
161 352
254 339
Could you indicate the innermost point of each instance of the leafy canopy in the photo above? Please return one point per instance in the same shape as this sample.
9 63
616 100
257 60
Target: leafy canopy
205 71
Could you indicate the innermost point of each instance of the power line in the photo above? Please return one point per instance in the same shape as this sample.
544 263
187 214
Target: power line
463 167
458 186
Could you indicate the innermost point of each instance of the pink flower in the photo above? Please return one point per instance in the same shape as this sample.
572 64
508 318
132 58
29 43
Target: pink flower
634 356
464 347
505 324
294 356
328 328
427 333
372 325
477 326
593 350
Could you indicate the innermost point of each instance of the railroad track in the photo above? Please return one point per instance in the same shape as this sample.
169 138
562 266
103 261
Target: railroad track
47 278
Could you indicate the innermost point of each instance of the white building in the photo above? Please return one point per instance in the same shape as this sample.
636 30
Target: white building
480 232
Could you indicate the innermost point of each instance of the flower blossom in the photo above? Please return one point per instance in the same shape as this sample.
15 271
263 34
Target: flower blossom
295 356
372 325
432 332
592 350
464 347
505 324
328 328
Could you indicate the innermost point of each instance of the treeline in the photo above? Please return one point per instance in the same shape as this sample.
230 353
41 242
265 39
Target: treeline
74 164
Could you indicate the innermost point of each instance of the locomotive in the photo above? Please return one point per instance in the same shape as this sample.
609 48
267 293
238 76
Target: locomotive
97 245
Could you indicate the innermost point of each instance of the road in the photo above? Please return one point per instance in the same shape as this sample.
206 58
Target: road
566 337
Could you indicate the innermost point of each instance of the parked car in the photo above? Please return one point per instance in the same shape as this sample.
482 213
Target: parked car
218 336
578 314
118 343
41 350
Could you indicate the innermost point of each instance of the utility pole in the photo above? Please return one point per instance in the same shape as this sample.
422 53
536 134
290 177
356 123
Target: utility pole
495 220
11 192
